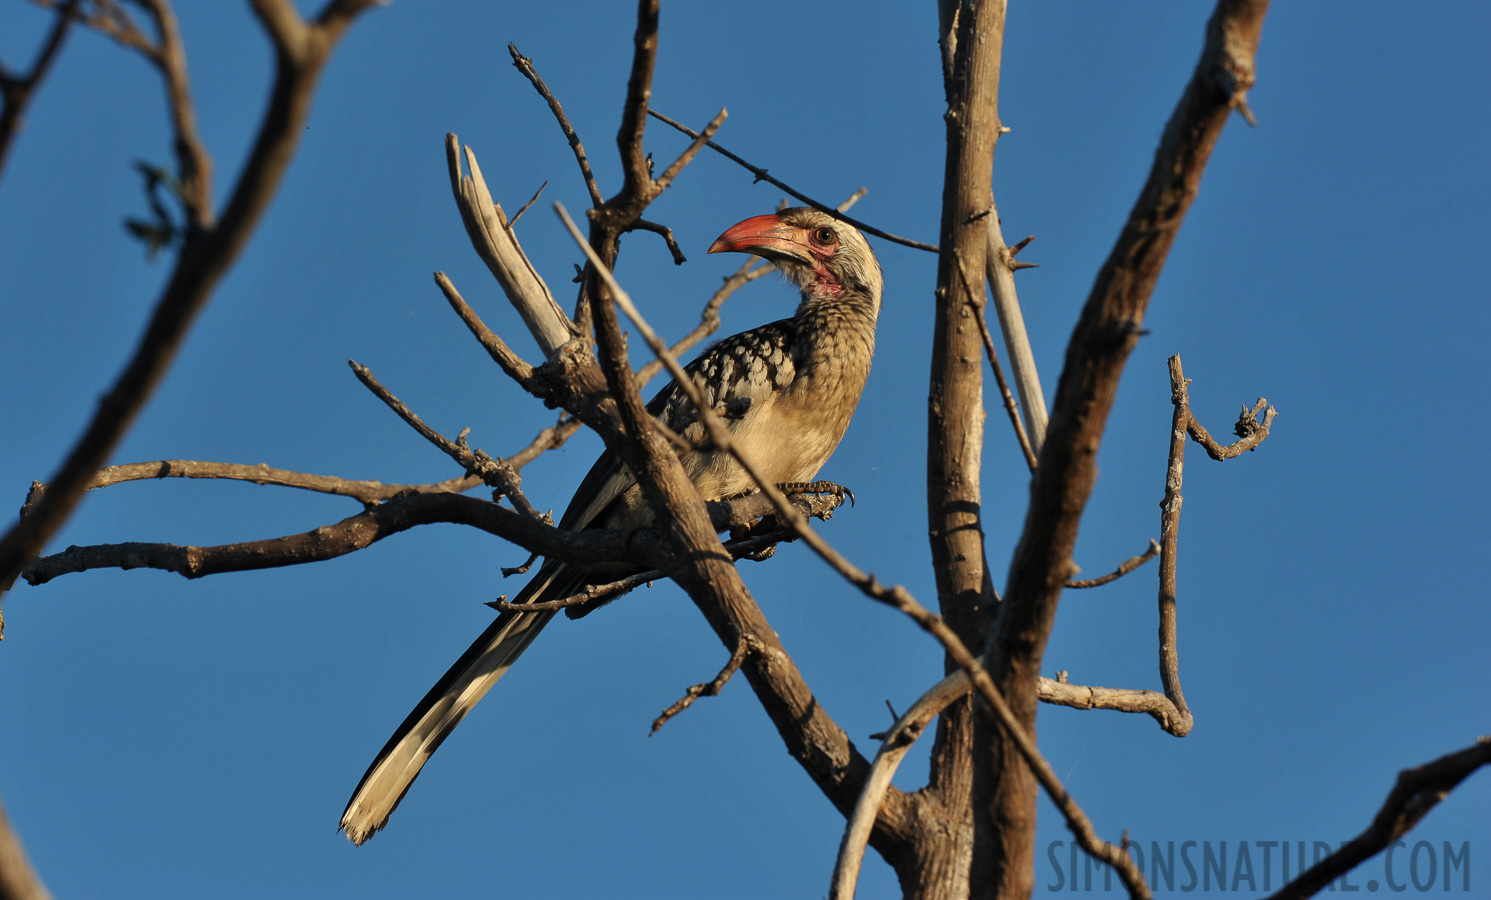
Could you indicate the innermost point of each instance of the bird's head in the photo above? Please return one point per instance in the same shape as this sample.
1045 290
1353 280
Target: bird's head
823 256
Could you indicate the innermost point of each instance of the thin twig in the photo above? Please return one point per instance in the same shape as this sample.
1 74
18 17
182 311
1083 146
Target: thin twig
708 689
513 222
667 235
525 65
999 268
495 473
975 302
1123 569
514 365
1182 422
761 175
1060 692
110 20
193 163
691 150
551 438
1250 430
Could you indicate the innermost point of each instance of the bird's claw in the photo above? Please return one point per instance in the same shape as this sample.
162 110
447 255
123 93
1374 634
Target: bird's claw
817 487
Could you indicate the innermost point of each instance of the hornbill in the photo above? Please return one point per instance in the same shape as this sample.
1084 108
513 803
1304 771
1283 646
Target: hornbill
791 387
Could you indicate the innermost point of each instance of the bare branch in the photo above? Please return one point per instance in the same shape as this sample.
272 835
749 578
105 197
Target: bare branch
1250 430
667 235
514 365
761 175
112 21
525 65
526 206
398 514
1415 792
497 474
708 689
687 156
1151 703
1123 569
366 492
1182 422
551 438
193 163
349 535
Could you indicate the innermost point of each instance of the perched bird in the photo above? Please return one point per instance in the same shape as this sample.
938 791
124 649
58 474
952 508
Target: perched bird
789 387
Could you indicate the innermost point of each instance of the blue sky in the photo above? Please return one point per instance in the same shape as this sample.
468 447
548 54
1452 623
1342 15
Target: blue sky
174 738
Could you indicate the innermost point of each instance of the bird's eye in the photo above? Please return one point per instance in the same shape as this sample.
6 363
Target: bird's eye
825 235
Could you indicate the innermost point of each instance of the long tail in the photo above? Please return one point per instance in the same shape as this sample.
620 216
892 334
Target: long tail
441 710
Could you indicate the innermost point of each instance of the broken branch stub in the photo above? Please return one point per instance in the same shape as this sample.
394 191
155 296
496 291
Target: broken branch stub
497 245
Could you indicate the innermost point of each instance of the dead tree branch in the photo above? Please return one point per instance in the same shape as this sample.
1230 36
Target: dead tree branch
1251 432
1060 692
368 493
499 475
525 65
497 244
709 688
1416 791
1123 569
397 514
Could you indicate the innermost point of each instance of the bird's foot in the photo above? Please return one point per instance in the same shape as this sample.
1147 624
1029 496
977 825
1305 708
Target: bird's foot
793 488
